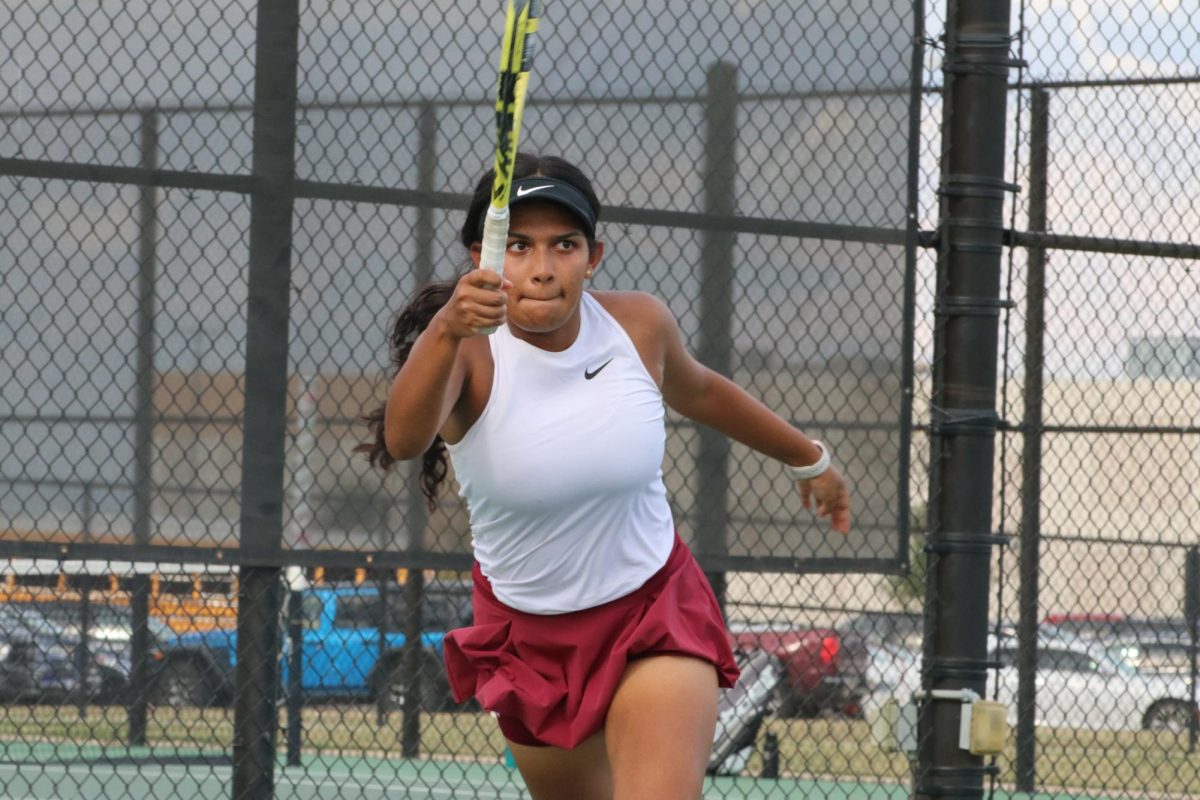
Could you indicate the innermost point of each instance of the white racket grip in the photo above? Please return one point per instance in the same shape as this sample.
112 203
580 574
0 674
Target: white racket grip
495 239
494 245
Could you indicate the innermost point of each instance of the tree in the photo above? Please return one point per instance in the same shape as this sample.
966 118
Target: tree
909 589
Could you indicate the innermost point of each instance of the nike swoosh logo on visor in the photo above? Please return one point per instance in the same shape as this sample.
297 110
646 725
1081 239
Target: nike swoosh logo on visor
588 374
524 190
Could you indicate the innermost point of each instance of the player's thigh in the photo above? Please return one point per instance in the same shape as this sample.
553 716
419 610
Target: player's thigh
660 727
553 773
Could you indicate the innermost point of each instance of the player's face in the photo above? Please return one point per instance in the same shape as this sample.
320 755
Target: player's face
548 263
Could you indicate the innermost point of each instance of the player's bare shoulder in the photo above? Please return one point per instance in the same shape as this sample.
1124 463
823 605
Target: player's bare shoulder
640 310
648 321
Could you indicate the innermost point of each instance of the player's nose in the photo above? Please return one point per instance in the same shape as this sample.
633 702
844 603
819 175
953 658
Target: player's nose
541 266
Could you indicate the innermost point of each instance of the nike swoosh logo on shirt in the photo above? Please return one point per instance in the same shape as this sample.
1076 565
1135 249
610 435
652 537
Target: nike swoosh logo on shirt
524 190
588 374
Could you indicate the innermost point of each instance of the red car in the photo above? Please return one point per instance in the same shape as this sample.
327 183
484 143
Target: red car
824 671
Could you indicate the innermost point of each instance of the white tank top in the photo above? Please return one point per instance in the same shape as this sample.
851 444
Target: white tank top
562 473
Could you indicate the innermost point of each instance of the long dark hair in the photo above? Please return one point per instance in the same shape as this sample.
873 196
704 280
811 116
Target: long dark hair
416 315
407 326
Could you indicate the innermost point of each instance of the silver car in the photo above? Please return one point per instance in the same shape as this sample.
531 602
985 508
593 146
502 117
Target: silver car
1080 685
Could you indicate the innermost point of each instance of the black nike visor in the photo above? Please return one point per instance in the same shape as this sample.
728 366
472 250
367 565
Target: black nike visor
553 190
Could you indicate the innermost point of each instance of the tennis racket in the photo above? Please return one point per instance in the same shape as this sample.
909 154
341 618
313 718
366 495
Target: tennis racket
516 56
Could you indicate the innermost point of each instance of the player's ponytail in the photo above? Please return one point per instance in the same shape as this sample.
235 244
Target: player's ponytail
408 324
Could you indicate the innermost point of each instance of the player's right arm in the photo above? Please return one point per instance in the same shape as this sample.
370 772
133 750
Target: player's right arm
431 384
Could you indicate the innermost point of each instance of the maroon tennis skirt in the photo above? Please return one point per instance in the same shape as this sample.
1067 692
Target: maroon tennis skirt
550 678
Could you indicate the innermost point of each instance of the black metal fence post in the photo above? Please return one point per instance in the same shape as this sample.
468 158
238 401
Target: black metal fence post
1191 609
83 656
715 346
144 425
302 480
410 732
427 154
83 651
964 391
416 512
256 682
139 645
1031 453
912 232
260 588
381 699
295 685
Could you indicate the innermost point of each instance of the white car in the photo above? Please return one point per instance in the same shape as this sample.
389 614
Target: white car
891 666
1079 685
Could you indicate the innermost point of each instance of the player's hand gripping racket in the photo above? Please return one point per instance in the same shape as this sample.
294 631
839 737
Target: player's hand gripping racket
516 57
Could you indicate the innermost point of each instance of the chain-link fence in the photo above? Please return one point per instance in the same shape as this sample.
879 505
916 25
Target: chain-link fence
212 209
1091 636
1100 447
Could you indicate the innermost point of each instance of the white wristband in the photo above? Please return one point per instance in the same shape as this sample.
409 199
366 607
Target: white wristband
812 470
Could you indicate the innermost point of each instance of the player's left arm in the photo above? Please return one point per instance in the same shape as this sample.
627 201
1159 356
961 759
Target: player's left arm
707 397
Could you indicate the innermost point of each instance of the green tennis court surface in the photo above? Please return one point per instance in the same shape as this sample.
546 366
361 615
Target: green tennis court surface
29 771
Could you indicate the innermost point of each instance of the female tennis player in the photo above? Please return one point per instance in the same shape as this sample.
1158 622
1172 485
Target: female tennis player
597 640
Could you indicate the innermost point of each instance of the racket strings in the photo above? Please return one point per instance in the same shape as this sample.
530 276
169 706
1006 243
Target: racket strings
521 22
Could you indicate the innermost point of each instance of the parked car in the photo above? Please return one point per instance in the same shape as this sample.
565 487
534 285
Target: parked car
351 644
902 628
1163 656
33 666
109 636
1079 621
110 624
741 711
41 660
892 640
1084 685
1116 627
892 665
1080 684
1154 645
824 672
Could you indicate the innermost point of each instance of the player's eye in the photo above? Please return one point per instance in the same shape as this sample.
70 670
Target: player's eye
518 246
